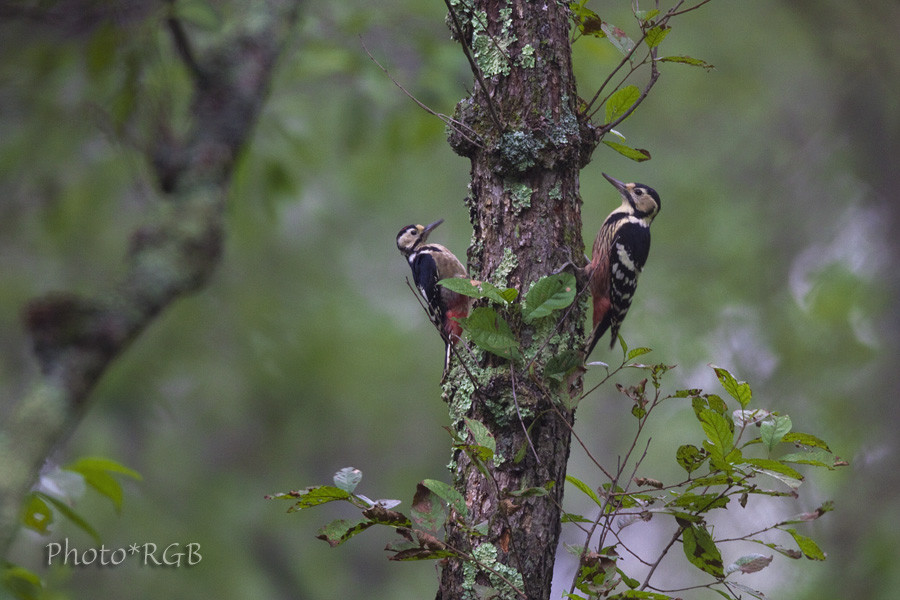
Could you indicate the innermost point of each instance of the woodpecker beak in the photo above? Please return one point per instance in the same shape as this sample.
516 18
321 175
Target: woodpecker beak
428 228
616 183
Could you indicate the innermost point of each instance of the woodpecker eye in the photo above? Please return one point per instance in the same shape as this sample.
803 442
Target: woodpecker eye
639 192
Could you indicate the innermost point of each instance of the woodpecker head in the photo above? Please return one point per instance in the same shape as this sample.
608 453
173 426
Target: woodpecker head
413 236
640 199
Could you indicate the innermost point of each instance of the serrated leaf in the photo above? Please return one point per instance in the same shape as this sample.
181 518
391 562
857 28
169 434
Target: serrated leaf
816 458
479 289
689 457
701 551
618 38
718 430
98 463
700 502
751 563
687 60
559 365
428 509
347 479
489 331
619 103
805 439
483 438
585 488
807 546
589 22
449 495
69 513
339 531
635 352
773 430
655 36
775 466
635 154
314 496
739 390
548 294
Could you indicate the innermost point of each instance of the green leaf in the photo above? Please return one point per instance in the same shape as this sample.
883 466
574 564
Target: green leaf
687 60
656 35
347 479
67 511
751 563
548 294
635 154
718 430
480 289
700 502
98 463
701 551
573 518
199 13
36 515
449 495
619 103
805 439
428 510
483 438
635 352
21 583
739 390
646 15
561 364
773 466
807 546
771 431
589 22
339 531
96 472
314 496
489 331
816 458
690 457
585 488
618 38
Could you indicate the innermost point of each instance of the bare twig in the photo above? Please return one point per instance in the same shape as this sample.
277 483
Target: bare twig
465 131
512 376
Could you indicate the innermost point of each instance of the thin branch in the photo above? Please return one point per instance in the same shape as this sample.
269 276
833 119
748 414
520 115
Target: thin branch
475 70
661 556
183 44
450 121
512 376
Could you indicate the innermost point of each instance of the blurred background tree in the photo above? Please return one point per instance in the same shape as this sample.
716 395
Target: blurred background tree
773 257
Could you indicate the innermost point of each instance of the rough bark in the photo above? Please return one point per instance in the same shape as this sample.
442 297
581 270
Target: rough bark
526 142
76 338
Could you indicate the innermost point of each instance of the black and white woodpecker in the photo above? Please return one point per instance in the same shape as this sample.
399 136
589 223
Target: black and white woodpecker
430 263
620 252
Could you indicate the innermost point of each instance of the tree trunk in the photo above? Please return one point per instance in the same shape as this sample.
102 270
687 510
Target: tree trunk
526 142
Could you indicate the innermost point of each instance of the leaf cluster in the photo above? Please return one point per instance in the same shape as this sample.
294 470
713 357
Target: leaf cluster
42 507
742 452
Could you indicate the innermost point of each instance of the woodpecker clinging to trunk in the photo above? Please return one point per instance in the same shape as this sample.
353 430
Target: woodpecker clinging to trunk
430 263
619 254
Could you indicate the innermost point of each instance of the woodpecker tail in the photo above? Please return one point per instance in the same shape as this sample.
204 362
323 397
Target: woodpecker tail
598 333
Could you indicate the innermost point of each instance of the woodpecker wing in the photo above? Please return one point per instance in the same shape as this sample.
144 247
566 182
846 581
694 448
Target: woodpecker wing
425 276
630 247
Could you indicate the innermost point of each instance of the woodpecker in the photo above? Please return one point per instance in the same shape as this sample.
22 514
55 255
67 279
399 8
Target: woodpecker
619 254
430 263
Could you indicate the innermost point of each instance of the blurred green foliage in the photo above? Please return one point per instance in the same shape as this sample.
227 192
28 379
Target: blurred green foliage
308 352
